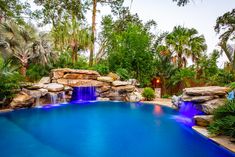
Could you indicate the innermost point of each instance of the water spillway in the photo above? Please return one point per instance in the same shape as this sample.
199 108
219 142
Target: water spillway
83 94
187 111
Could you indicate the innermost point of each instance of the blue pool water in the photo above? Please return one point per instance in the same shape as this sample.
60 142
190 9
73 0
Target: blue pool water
101 129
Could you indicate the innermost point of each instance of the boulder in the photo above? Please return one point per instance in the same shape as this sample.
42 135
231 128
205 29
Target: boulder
78 82
68 88
36 93
22 100
45 80
105 79
121 89
36 86
208 107
103 89
103 99
198 99
203 120
114 76
133 82
54 87
120 83
59 73
80 76
176 101
209 91
134 97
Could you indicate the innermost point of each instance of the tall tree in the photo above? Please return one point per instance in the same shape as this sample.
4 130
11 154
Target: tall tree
54 11
115 6
13 9
72 35
225 25
128 46
181 2
184 43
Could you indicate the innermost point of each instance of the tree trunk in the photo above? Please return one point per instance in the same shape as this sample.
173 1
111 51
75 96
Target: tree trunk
23 70
93 33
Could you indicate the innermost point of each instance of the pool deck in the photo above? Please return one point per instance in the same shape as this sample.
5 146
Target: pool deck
224 141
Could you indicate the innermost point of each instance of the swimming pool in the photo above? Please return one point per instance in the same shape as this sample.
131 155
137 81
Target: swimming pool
101 129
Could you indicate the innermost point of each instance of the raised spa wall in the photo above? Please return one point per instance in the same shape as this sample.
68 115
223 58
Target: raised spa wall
207 99
58 88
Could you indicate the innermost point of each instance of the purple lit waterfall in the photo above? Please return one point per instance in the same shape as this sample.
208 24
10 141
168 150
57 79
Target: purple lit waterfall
83 94
187 111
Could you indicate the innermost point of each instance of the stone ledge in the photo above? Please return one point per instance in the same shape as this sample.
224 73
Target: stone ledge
206 91
221 140
5 110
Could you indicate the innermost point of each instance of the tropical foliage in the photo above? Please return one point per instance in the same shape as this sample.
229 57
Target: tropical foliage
148 93
9 80
225 25
125 44
224 120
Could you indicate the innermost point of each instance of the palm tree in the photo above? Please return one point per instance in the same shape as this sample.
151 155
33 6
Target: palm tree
184 43
226 25
24 44
72 35
43 50
18 41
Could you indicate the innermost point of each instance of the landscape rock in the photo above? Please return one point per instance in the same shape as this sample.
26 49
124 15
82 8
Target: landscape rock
133 82
22 100
134 97
114 76
54 87
103 89
103 99
120 83
203 120
208 107
59 73
36 93
80 76
123 89
105 79
45 80
78 82
208 91
198 99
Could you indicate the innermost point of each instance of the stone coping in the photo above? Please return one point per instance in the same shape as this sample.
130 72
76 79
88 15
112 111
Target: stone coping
161 102
5 110
221 140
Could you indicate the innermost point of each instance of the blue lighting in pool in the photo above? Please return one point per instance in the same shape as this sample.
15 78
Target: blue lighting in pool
186 113
81 94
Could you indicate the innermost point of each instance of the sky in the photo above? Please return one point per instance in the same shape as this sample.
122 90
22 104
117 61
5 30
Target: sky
199 14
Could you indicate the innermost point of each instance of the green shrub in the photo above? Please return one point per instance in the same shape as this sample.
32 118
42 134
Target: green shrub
9 80
65 61
166 96
35 72
148 93
123 73
101 68
231 85
224 120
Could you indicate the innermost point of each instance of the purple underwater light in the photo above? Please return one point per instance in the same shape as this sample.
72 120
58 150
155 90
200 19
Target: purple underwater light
187 111
83 94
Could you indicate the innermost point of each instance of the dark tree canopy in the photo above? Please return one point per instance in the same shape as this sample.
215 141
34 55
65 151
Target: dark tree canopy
13 9
181 2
